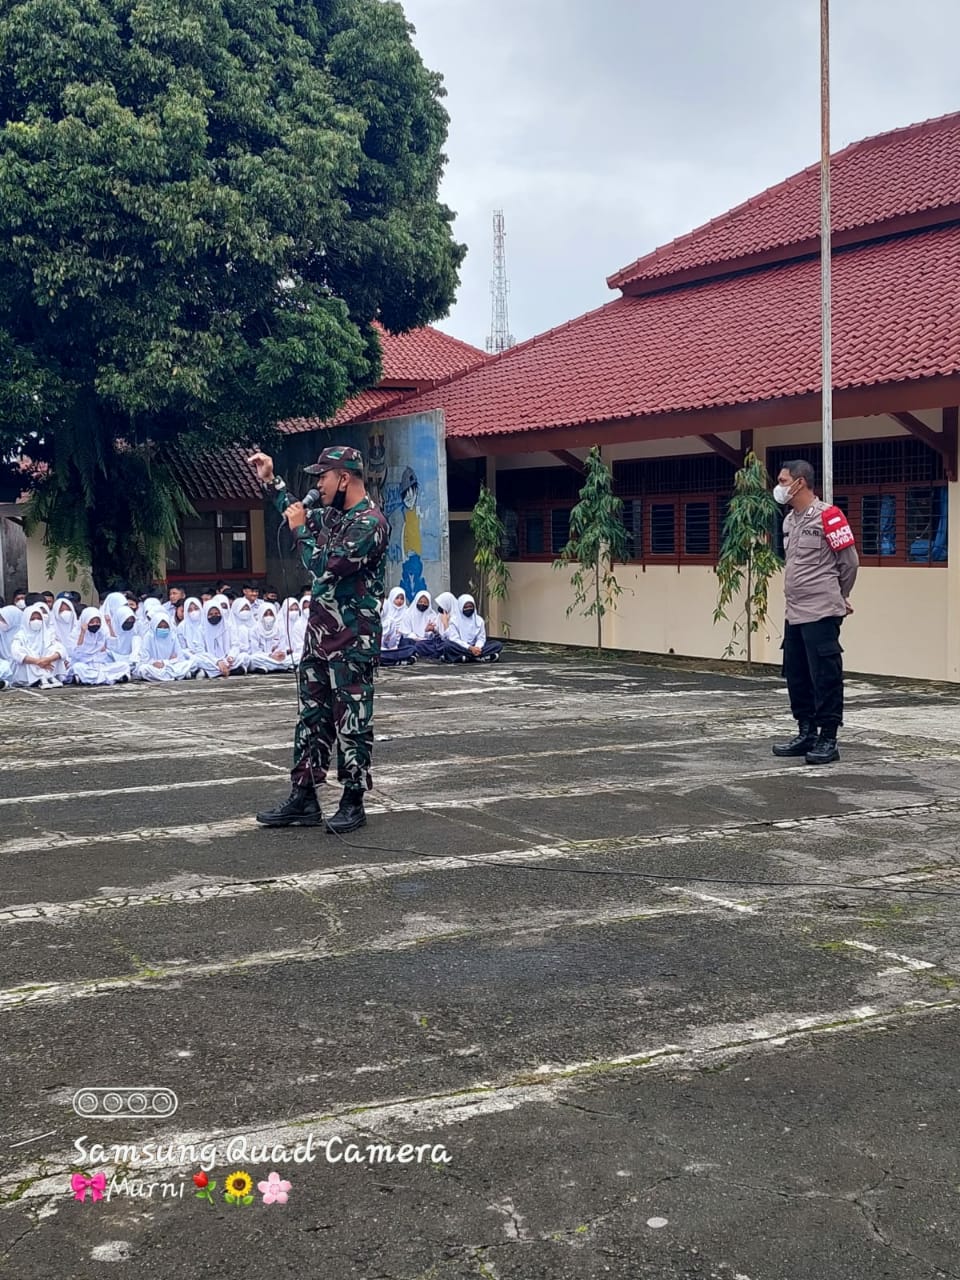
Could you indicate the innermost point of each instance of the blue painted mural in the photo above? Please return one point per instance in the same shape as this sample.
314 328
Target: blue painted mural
406 475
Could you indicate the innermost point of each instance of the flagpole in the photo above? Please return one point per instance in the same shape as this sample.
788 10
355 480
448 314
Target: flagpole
826 334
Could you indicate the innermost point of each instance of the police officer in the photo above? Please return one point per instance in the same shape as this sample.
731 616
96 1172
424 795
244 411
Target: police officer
821 568
343 545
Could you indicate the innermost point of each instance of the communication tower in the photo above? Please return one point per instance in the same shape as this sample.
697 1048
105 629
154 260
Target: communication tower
500 338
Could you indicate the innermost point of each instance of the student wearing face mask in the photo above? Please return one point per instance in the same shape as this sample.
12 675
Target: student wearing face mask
91 662
244 623
821 568
190 630
218 654
39 658
396 648
124 643
20 600
268 648
343 545
421 624
161 658
466 637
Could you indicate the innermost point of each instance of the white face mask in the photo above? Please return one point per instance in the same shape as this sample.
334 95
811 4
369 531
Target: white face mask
782 493
21 604
268 624
35 624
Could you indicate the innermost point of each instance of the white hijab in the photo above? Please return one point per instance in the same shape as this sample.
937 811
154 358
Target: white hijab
37 644
392 613
10 619
266 634
93 645
468 628
414 622
292 626
157 648
191 628
147 615
447 603
216 639
65 625
111 607
124 643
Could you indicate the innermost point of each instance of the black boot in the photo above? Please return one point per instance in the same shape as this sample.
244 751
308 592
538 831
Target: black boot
799 746
300 810
350 815
825 750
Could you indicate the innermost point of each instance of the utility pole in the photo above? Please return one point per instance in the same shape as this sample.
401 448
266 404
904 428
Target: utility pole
826 326
500 338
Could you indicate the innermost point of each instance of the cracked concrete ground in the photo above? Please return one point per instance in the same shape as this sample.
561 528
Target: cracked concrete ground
672 1007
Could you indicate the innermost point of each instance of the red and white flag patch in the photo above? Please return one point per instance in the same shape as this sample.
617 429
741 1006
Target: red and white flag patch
837 529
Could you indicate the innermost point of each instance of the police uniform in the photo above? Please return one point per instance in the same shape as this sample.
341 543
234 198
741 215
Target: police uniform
345 553
821 568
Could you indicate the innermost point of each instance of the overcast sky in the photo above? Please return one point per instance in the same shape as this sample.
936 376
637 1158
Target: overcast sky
604 128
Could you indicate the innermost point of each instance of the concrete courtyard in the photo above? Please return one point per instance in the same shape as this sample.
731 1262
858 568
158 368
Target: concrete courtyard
743 1067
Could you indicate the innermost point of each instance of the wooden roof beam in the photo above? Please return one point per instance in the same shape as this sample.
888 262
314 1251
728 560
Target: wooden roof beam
723 449
944 443
570 460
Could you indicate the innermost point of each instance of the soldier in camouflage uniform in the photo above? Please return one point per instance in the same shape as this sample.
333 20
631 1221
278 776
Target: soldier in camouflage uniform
344 545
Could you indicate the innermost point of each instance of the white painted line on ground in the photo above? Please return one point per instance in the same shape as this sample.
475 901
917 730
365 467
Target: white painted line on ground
709 897
407 1118
134 791
175 973
908 965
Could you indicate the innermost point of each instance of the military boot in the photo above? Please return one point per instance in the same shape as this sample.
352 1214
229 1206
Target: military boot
805 741
824 750
350 815
300 809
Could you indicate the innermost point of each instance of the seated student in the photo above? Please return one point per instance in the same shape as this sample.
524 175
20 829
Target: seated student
39 658
20 600
292 625
10 619
66 627
123 642
190 630
91 662
243 622
396 649
466 637
218 654
421 624
268 648
161 657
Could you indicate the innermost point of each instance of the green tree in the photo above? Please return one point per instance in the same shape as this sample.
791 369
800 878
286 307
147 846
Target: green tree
747 558
204 206
493 576
597 539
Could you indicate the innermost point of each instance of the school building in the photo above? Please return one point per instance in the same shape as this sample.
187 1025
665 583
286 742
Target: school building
712 347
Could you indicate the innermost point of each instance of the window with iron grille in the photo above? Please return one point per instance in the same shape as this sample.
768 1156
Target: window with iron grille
893 492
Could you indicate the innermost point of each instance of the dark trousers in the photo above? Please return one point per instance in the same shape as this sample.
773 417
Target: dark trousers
336 709
404 651
813 668
453 652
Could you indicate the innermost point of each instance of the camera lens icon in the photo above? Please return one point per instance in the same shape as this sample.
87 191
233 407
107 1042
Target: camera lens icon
145 1102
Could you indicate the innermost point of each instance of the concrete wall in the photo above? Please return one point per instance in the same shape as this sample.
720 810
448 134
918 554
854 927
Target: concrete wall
906 620
13 557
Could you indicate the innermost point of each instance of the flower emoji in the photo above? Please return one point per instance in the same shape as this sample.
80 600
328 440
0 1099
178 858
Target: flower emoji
274 1189
204 1186
237 1188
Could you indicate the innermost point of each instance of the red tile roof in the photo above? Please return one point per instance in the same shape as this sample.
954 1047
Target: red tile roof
729 341
411 361
425 355
211 474
905 174
358 406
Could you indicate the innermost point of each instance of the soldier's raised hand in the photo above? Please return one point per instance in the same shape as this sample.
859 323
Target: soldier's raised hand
264 465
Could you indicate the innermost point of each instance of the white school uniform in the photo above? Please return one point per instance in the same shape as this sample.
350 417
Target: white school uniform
10 619
267 642
161 647
37 642
91 662
218 643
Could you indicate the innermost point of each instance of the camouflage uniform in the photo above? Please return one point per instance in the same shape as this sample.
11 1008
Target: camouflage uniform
345 552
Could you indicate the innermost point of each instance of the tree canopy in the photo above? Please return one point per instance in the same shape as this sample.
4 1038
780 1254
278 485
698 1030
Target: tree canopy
204 205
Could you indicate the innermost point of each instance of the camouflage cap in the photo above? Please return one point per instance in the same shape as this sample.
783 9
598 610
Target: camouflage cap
339 457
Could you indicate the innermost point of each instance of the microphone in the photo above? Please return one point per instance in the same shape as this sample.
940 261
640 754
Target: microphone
312 499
